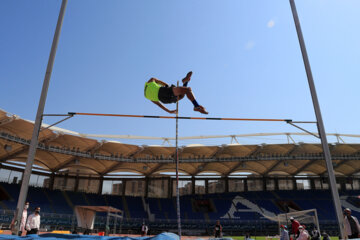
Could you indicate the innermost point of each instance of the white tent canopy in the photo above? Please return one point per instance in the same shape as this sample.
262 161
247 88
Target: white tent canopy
85 215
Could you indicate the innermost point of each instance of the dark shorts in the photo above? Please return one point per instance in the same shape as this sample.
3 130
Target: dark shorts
166 95
32 231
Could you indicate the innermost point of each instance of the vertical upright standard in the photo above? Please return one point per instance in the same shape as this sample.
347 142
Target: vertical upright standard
320 124
34 139
177 169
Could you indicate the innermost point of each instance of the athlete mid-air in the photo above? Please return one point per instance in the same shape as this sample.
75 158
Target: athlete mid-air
161 93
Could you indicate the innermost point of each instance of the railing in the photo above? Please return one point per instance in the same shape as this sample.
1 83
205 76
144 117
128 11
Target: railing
51 221
114 157
45 215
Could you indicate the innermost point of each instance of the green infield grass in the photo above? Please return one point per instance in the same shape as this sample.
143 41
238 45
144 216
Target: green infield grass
262 237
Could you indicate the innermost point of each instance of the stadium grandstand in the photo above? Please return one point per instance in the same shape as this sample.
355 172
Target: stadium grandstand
243 186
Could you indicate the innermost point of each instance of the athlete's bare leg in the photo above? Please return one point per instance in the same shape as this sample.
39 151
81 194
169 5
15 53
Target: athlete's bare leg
178 91
185 81
181 91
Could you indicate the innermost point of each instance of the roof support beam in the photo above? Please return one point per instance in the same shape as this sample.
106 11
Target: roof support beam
313 161
112 168
36 159
337 165
281 161
94 147
234 168
24 148
254 152
87 167
354 172
305 166
21 150
118 164
201 167
344 161
155 169
273 167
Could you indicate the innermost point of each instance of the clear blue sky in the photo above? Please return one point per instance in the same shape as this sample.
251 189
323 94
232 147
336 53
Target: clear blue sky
244 54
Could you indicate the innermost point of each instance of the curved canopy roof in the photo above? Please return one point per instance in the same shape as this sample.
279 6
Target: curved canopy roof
61 150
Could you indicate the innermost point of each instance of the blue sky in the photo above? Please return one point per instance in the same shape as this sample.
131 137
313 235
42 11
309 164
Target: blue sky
244 54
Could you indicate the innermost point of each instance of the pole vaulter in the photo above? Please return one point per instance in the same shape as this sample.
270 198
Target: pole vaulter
160 93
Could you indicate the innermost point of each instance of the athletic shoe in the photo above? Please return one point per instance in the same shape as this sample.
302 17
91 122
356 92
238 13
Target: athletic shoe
201 109
187 78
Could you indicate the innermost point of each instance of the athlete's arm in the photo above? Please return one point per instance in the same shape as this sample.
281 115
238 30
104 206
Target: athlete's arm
163 107
159 82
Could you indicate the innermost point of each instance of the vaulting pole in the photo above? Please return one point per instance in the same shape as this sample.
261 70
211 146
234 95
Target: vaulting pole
37 125
177 169
320 124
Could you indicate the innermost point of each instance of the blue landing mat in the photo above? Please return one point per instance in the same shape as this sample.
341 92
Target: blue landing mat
55 236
